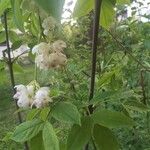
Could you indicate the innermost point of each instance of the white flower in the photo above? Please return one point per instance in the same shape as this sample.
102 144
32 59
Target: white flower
42 61
46 32
41 98
49 23
57 60
19 90
42 48
24 101
58 46
50 56
24 95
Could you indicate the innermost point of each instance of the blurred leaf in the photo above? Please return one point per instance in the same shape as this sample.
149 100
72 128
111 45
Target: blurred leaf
17 68
4 4
32 114
104 138
113 95
27 130
66 112
83 7
123 1
44 113
18 19
107 13
7 137
36 143
13 36
52 7
17 44
80 135
112 119
135 105
2 36
49 137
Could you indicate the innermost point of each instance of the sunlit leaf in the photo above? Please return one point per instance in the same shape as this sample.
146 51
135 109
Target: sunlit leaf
83 7
52 7
4 4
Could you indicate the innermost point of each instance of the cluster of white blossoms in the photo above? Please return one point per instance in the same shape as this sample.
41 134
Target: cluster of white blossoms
50 55
48 25
28 96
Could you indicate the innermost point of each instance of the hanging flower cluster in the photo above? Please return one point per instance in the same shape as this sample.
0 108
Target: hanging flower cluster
28 96
48 25
50 55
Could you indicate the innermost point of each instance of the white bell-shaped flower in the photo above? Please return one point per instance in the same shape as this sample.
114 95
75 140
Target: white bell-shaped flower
57 60
19 90
49 23
58 46
24 95
41 98
42 48
42 62
24 101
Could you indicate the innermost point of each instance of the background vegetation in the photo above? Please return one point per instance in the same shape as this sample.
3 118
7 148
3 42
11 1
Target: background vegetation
121 86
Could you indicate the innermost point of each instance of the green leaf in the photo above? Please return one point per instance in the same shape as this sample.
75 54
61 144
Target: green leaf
107 13
80 135
13 36
44 113
2 36
36 143
66 112
113 95
17 44
83 7
18 19
135 105
49 137
32 114
112 119
17 68
27 130
104 138
4 4
52 7
123 1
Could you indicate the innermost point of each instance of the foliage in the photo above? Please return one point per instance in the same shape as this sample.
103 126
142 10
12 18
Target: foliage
120 114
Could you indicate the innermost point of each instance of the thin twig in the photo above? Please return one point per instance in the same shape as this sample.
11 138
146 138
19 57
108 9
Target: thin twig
10 65
127 51
19 56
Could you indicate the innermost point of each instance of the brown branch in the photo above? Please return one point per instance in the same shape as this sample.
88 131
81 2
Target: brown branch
10 66
94 48
97 11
